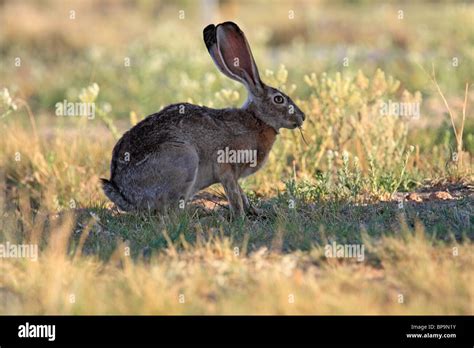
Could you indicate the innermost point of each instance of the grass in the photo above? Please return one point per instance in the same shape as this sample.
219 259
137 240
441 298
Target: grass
215 273
401 187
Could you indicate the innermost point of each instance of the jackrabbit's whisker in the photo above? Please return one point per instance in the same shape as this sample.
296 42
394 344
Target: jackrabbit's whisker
302 135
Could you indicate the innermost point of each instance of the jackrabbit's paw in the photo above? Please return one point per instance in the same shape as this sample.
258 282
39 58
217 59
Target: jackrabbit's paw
256 212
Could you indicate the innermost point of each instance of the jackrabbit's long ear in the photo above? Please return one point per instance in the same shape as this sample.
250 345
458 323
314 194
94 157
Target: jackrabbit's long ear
230 51
210 40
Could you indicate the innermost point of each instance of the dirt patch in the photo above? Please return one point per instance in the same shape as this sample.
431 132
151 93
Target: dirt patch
442 192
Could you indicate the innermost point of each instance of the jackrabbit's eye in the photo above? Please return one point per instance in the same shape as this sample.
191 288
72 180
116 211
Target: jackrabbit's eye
278 99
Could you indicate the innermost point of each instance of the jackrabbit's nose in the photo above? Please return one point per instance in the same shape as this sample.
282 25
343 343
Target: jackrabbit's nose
298 123
300 119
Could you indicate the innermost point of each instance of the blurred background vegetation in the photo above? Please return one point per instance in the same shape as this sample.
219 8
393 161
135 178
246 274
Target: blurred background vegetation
62 51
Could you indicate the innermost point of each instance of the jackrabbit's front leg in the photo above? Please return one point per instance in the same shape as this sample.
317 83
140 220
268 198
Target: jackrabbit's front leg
233 192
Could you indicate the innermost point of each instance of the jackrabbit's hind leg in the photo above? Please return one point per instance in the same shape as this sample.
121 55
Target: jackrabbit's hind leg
180 188
181 167
165 178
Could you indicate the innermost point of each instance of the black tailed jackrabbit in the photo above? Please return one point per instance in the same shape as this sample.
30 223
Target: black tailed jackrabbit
169 156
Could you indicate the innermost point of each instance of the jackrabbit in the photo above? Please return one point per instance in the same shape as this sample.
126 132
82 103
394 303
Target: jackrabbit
171 155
